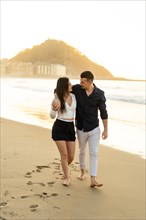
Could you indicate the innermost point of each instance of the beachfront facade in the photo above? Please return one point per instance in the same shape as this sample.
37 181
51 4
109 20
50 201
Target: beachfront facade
29 69
49 69
19 69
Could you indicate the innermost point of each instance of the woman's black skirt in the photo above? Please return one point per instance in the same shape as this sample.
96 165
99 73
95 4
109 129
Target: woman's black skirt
63 130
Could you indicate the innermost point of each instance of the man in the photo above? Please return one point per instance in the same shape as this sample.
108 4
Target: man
90 101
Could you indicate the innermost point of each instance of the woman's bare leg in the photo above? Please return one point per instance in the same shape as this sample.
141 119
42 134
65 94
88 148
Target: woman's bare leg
62 147
70 151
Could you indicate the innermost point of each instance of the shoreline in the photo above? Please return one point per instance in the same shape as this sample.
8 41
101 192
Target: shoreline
5 76
40 117
31 184
125 133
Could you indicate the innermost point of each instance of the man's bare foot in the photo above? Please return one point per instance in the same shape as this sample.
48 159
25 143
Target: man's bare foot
95 183
66 182
81 176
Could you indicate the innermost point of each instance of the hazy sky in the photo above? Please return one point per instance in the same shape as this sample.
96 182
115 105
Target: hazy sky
111 33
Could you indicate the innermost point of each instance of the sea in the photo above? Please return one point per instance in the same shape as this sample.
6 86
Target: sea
28 100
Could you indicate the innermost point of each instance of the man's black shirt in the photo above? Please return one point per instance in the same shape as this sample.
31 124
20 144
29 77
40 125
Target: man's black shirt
88 107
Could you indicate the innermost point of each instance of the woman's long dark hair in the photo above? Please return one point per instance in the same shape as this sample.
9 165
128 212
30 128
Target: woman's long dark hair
61 90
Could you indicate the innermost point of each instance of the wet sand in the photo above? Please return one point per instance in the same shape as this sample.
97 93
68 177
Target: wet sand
31 180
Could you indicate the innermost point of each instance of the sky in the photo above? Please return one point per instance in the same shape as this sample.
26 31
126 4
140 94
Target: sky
110 33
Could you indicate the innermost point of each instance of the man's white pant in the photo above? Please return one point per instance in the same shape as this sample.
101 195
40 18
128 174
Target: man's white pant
92 137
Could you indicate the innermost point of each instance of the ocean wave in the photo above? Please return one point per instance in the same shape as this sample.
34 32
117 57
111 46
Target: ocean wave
132 92
137 100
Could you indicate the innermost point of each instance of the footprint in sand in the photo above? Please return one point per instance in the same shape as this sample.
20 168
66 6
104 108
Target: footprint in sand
28 175
54 194
56 207
56 163
42 167
3 204
31 196
1 218
57 168
56 159
43 195
56 172
39 168
50 183
33 208
31 183
74 167
6 192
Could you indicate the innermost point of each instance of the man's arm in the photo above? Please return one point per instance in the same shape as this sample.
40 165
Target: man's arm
55 105
54 110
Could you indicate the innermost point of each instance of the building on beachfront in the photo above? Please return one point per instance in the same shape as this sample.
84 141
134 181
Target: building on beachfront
29 69
45 69
3 64
19 69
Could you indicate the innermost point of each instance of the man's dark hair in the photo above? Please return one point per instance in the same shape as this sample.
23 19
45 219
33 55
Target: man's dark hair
88 75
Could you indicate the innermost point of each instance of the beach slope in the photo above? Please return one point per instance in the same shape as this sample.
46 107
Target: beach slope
31 180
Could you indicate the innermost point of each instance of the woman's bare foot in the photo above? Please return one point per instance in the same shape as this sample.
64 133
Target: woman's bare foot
66 182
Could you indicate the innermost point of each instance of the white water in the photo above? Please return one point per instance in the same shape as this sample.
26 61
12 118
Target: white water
28 100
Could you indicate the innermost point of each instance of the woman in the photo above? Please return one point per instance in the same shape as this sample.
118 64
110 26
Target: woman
63 130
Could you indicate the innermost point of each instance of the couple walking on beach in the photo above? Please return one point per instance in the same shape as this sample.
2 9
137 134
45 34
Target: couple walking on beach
79 103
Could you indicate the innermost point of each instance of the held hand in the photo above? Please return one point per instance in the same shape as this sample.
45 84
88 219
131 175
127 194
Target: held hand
56 105
104 134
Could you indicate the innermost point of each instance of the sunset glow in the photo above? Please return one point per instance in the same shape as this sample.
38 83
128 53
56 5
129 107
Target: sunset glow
111 33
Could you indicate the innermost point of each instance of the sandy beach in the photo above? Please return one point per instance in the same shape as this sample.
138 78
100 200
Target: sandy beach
31 180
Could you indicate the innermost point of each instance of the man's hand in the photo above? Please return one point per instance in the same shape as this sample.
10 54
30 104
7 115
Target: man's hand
104 134
56 105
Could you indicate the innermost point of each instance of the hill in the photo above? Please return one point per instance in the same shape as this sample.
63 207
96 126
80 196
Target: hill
58 52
